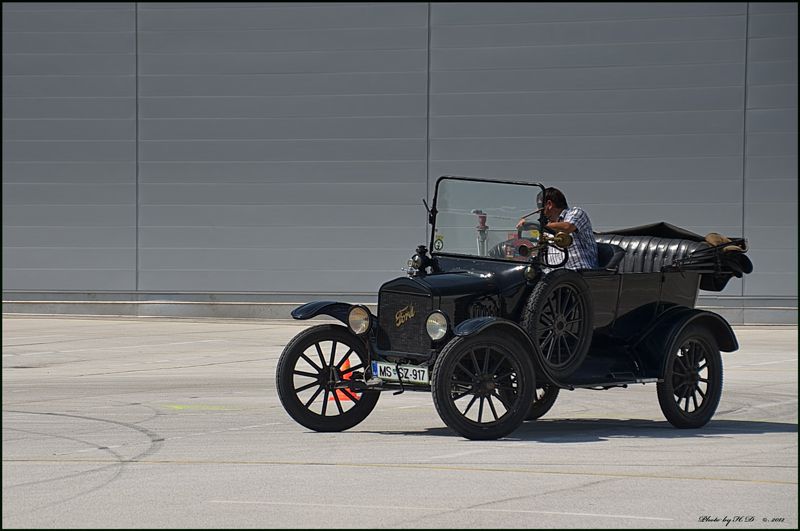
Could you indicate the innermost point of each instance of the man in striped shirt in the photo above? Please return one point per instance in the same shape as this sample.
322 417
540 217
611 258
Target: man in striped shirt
575 221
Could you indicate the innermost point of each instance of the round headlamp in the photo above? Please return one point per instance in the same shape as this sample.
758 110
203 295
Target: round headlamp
436 325
416 261
358 320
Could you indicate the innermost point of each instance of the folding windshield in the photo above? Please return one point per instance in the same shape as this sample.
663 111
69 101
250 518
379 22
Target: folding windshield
479 218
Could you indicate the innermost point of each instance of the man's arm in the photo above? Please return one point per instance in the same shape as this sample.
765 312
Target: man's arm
562 226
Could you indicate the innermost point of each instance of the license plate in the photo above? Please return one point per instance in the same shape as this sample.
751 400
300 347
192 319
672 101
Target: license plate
412 374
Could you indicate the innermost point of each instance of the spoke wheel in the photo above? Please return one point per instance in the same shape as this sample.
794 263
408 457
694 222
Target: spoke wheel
310 372
545 399
692 384
559 319
482 385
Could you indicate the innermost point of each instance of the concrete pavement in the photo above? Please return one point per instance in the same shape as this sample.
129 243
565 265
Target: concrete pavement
176 423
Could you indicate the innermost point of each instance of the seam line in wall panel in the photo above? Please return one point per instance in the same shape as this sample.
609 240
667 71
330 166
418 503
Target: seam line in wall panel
136 128
428 124
744 125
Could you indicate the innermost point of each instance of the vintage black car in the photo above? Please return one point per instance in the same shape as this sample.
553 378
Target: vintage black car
494 329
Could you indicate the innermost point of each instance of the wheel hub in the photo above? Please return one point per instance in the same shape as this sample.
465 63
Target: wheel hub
686 383
486 385
333 377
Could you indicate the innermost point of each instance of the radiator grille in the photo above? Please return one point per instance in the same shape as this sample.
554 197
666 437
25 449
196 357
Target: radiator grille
402 320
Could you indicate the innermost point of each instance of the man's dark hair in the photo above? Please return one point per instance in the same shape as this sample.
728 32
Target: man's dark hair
552 194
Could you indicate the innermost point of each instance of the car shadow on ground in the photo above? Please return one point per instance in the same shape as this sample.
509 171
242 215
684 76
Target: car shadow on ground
594 430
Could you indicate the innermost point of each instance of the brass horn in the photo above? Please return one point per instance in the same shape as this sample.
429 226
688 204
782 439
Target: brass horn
562 240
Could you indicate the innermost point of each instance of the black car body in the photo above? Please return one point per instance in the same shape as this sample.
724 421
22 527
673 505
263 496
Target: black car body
495 334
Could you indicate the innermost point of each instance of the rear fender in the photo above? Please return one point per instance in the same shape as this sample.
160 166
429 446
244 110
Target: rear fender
655 346
337 310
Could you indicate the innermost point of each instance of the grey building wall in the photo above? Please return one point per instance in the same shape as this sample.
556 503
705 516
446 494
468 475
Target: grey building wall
770 187
282 148
69 146
634 110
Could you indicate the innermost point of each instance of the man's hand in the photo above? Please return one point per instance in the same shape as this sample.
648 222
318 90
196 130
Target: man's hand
520 223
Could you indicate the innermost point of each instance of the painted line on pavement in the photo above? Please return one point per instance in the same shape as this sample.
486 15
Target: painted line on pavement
763 363
773 404
123 347
412 466
459 454
439 509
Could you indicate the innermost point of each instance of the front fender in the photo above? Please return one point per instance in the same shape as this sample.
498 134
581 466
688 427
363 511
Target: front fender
337 310
477 325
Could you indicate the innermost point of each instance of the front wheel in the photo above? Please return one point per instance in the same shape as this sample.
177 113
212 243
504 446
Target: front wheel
692 384
483 385
309 369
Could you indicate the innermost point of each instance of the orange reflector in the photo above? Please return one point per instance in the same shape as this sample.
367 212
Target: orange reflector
339 393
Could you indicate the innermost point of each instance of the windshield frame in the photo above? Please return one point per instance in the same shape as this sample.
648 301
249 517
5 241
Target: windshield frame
434 211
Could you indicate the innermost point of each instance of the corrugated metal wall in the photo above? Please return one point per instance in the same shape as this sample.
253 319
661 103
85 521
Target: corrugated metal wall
634 110
69 146
284 148
770 188
280 143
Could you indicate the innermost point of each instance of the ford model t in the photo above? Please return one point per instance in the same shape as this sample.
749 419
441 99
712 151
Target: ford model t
488 321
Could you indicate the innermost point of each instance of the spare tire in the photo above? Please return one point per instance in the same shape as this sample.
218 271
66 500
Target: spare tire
559 319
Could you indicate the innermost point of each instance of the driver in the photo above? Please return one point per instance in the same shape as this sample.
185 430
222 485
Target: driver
575 221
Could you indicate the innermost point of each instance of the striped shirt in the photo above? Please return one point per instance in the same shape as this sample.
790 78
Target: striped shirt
583 251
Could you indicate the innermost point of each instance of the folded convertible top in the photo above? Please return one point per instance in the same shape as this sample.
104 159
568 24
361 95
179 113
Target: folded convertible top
719 260
662 229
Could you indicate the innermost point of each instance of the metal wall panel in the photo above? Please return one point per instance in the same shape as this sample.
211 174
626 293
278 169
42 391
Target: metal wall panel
770 191
281 148
273 135
69 147
634 110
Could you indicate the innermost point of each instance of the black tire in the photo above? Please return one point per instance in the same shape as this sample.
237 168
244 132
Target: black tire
491 369
546 396
692 386
307 370
559 319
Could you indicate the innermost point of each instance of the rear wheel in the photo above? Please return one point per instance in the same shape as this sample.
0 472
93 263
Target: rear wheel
545 398
311 366
483 385
692 384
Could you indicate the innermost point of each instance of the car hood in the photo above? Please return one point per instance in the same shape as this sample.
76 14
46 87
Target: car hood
445 284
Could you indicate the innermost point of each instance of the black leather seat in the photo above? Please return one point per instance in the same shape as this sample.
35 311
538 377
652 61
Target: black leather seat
609 256
647 254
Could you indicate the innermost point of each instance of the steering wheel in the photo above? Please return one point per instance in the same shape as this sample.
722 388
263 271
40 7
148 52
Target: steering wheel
518 244
545 254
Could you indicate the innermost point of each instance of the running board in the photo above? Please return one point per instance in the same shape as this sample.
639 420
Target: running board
608 385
